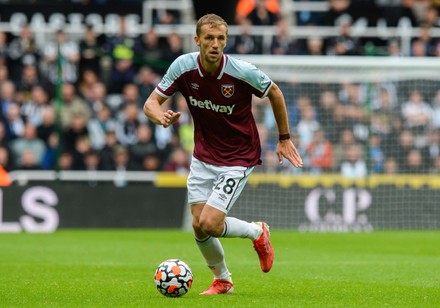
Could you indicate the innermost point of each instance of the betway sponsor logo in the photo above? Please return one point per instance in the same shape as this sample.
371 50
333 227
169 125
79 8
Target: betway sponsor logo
207 104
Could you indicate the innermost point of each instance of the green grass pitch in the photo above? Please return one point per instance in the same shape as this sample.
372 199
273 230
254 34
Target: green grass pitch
115 268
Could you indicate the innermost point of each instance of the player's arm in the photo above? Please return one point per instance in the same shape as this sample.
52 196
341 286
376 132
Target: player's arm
285 147
153 110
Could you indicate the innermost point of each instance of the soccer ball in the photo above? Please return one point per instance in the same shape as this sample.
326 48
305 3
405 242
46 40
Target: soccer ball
173 278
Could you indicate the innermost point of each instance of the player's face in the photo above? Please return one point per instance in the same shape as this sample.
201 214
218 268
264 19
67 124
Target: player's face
212 41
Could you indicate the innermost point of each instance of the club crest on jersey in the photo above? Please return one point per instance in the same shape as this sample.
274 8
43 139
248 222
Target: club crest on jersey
228 90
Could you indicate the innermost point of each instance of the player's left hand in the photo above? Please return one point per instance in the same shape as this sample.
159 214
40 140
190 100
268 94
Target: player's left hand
287 149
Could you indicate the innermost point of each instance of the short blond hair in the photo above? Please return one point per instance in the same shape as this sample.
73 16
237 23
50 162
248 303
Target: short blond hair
210 19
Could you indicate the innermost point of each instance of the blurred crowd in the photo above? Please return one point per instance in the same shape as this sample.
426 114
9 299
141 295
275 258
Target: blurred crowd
77 104
348 16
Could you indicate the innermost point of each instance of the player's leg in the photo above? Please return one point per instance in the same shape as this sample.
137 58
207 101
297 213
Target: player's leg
226 191
200 183
209 246
214 222
212 251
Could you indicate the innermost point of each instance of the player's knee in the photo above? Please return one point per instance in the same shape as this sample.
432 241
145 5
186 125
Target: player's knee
196 224
210 227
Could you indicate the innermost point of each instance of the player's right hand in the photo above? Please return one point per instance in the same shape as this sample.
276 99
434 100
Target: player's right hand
169 118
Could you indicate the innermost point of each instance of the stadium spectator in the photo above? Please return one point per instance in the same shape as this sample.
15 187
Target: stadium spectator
4 73
127 124
435 167
418 48
65 161
47 125
319 154
151 163
22 51
383 95
81 148
325 110
376 155
99 125
245 7
245 42
336 9
339 124
297 107
152 51
353 166
92 162
428 40
398 15
392 139
179 162
69 105
417 113
14 124
306 127
122 161
432 150
130 95
4 52
86 81
33 109
29 142
76 130
146 80
391 166
413 163
4 142
346 140
344 44
145 145
355 113
96 98
123 50
28 161
91 50
314 46
51 154
431 17
28 79
394 49
69 51
404 146
282 43
5 160
383 114
261 15
106 153
308 18
173 47
167 17
7 98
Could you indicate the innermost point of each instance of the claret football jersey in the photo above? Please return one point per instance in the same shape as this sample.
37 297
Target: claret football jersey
225 133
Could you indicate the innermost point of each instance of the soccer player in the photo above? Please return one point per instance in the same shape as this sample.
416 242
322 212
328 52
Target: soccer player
218 90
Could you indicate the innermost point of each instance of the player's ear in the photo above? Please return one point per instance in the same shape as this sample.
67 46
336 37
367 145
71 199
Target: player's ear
197 40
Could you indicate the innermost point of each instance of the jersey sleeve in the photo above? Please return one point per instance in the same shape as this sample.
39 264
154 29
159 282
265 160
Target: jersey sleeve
170 81
256 78
167 86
